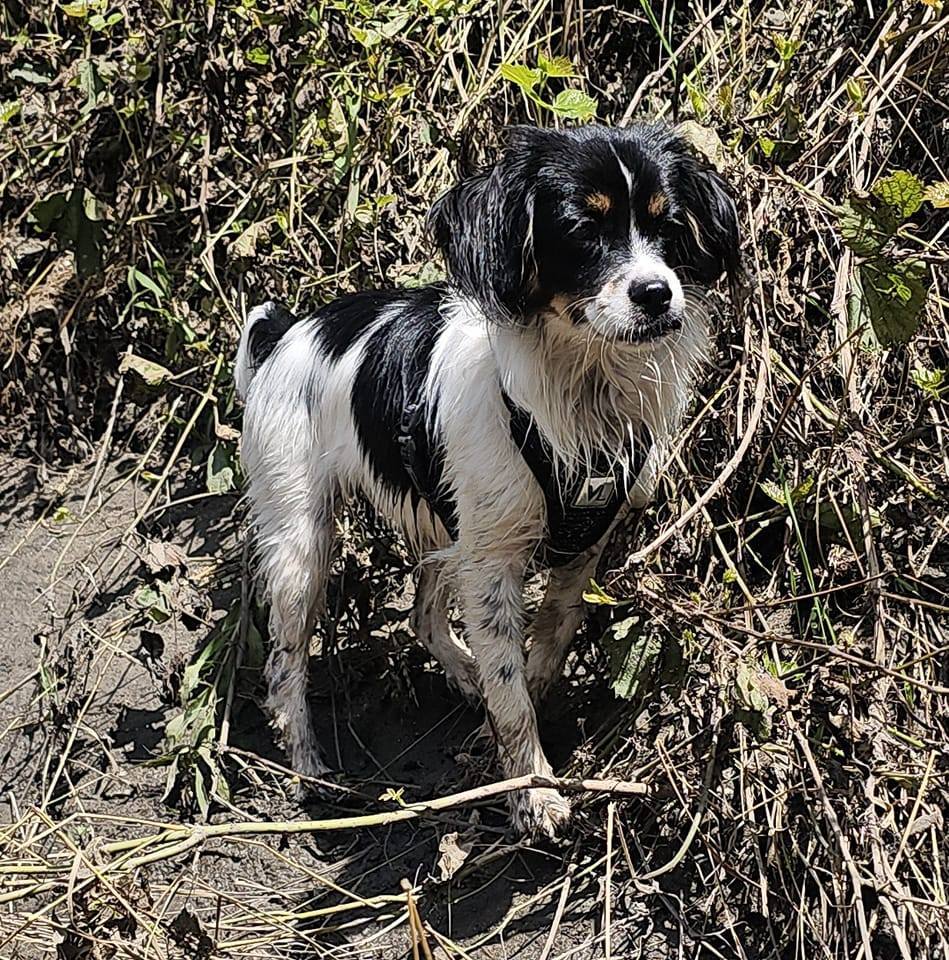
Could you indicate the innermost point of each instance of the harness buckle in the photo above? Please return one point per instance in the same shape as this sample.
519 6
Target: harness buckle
595 493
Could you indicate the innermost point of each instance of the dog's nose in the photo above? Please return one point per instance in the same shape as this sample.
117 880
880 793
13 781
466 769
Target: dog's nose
652 296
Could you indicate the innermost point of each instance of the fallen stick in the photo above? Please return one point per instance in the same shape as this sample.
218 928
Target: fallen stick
179 839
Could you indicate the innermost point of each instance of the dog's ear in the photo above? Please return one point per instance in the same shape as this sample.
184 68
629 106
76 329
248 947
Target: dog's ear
706 243
483 227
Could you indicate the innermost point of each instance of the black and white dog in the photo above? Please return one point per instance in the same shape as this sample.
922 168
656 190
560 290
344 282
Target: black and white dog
502 420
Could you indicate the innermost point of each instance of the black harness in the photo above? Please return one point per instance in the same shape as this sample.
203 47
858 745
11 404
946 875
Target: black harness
580 509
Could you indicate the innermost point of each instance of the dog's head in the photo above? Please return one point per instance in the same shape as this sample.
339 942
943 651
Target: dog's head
602 226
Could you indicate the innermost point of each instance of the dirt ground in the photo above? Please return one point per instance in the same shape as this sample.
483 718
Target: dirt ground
88 688
781 618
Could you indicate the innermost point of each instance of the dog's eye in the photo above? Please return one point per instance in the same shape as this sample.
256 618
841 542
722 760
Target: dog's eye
585 230
658 205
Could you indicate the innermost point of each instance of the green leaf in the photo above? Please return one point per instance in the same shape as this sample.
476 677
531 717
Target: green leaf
749 691
154 603
841 523
555 67
190 679
632 652
90 83
368 38
575 105
136 279
44 213
220 470
91 207
9 109
799 492
255 654
597 595
525 77
697 98
89 238
152 373
75 219
786 48
200 792
395 26
776 491
938 194
175 728
865 228
79 9
902 191
894 294
931 382
856 92
220 786
246 244
30 76
258 55
767 145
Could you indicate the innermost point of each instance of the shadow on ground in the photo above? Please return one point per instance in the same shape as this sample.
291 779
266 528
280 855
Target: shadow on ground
386 718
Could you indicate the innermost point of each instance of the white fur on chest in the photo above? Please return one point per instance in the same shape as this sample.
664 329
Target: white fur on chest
584 397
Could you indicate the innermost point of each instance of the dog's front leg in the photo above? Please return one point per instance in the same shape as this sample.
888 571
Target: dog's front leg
557 621
562 611
493 601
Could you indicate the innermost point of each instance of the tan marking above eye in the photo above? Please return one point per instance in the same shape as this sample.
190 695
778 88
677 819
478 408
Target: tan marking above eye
599 202
657 204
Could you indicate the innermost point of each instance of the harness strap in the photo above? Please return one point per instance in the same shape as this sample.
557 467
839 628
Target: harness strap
580 509
424 463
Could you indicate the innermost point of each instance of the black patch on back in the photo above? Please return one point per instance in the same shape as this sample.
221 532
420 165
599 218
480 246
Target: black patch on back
267 331
341 323
392 377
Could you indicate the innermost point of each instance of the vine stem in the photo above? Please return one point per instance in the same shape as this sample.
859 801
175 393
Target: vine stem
177 840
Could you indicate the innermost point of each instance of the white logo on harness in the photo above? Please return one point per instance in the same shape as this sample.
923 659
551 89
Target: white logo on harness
595 492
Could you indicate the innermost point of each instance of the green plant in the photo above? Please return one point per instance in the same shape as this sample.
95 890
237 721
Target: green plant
192 738
891 285
632 647
569 104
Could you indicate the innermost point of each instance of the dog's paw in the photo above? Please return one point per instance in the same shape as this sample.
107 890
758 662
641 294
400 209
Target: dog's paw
309 769
539 812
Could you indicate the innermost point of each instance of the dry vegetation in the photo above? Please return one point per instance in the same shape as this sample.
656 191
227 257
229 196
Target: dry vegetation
777 628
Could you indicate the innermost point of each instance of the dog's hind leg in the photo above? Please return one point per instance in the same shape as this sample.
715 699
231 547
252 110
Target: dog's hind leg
296 559
432 627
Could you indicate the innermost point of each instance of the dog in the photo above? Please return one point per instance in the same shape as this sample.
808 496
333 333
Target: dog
503 420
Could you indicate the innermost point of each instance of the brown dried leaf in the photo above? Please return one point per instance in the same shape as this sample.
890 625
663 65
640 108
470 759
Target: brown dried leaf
160 556
452 855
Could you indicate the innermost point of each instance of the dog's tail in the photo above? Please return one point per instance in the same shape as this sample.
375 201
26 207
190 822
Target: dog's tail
265 326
